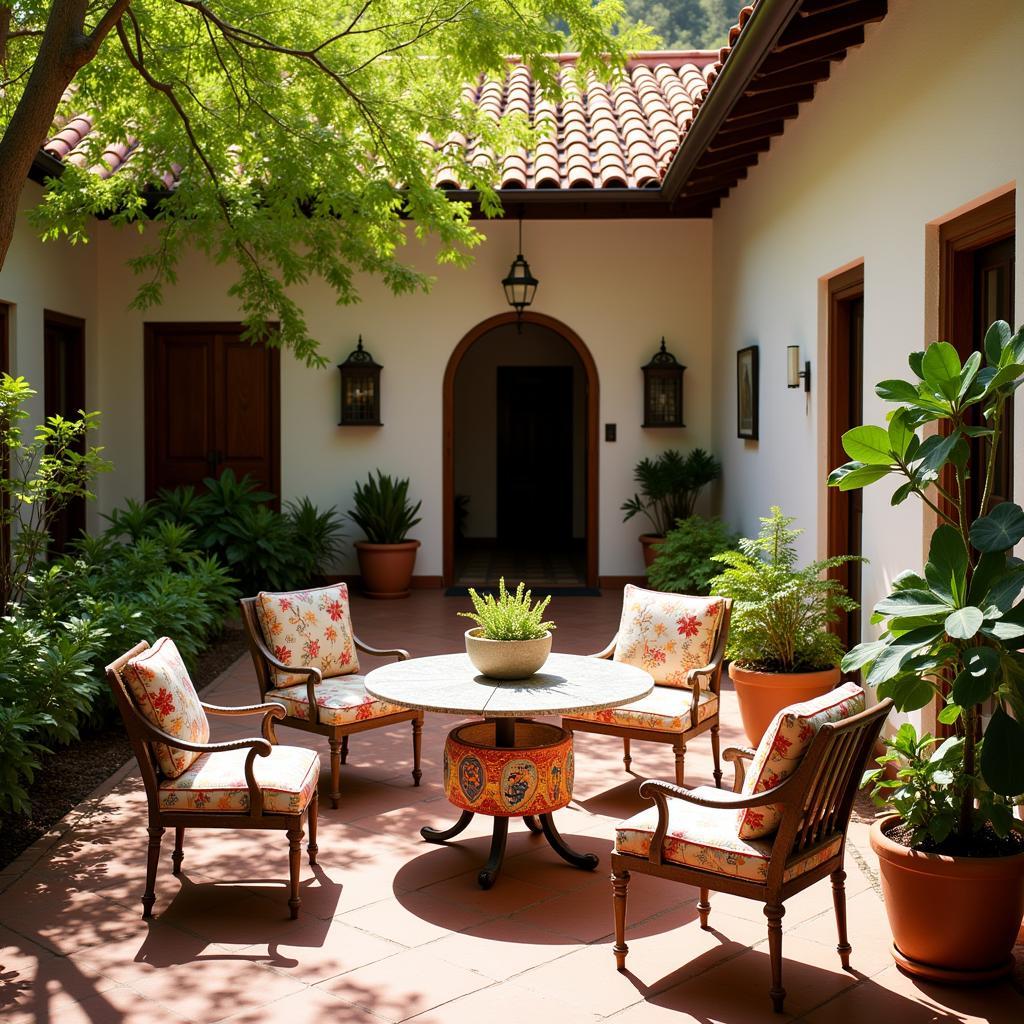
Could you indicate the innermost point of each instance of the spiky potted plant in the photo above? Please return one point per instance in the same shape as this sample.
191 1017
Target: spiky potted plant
669 487
386 515
511 640
952 855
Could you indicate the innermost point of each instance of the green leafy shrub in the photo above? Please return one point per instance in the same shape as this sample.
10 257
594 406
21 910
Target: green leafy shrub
383 510
781 613
509 616
683 563
670 486
319 535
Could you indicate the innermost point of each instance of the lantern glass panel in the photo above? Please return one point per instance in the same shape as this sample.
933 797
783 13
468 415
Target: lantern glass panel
662 400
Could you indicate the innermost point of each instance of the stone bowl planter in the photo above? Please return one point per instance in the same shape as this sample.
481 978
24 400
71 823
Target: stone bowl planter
507 659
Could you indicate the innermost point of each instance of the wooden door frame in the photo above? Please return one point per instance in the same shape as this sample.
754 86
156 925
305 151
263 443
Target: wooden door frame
842 287
448 433
150 331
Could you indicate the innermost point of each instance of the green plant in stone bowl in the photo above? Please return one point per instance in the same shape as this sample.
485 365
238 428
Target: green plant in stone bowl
509 616
961 621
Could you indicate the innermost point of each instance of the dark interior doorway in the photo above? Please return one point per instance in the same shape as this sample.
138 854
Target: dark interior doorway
846 411
64 395
520 460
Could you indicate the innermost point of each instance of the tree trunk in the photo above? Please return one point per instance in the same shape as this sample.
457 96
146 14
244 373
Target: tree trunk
63 49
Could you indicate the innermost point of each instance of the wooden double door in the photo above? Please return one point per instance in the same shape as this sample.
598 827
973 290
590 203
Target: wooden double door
212 403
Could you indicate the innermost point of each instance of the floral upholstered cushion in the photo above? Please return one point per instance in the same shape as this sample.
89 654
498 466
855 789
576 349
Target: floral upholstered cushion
665 708
341 700
165 696
705 838
310 629
667 635
783 746
216 782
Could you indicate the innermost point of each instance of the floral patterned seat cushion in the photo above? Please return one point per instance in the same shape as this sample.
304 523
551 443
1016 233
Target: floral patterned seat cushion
667 635
782 748
705 838
341 700
664 709
165 696
309 629
216 782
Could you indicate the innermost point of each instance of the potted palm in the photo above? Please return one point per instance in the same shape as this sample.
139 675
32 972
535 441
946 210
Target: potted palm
781 649
511 640
669 487
952 637
387 556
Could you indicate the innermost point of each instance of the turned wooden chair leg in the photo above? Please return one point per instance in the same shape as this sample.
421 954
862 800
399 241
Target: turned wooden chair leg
335 744
152 860
704 907
627 760
314 809
716 754
294 865
843 948
344 750
774 912
417 748
620 885
179 852
679 749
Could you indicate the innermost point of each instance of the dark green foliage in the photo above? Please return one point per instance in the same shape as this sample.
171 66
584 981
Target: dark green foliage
781 613
687 24
683 562
670 486
963 620
318 534
383 510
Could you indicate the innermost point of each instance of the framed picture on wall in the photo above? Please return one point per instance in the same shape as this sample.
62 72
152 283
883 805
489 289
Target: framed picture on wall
747 385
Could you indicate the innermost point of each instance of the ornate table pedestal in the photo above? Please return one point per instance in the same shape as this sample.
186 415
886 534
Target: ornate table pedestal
509 766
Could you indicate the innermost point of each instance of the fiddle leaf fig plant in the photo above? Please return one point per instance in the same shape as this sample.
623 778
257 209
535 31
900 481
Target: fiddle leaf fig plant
957 632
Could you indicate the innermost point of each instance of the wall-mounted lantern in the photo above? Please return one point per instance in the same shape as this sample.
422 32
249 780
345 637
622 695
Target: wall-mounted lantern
360 389
663 390
793 372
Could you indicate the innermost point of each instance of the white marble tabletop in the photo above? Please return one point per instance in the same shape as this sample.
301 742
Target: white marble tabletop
567 683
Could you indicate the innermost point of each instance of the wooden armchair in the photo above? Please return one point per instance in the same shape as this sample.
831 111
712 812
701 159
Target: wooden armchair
246 783
697 836
685 699
331 705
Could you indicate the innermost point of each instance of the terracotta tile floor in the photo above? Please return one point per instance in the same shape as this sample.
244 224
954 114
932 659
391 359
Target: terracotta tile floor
393 928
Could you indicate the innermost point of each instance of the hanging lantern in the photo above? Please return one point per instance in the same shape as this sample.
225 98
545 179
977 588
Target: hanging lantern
663 390
520 285
360 389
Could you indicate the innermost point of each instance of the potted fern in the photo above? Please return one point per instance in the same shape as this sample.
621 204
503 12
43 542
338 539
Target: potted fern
781 650
386 515
511 640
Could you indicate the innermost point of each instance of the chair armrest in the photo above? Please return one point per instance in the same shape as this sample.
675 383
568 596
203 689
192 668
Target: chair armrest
659 792
394 652
313 675
736 756
608 651
270 711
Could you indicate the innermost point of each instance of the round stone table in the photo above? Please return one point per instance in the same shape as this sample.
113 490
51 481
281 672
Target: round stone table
508 765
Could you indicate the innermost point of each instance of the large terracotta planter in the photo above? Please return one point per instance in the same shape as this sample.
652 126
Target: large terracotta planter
953 919
507 659
762 694
649 542
386 568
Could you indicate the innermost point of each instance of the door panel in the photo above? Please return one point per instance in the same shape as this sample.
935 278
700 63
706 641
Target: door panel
535 468
211 404
64 395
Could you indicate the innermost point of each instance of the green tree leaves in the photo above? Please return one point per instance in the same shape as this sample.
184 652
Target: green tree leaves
1000 530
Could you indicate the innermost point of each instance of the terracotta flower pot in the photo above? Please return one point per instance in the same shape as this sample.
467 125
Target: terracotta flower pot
507 659
953 919
386 568
649 542
762 694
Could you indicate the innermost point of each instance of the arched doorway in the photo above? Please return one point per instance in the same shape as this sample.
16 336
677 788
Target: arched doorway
501 389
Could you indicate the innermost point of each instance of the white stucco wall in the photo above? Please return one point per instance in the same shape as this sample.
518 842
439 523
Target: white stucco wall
923 119
619 284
